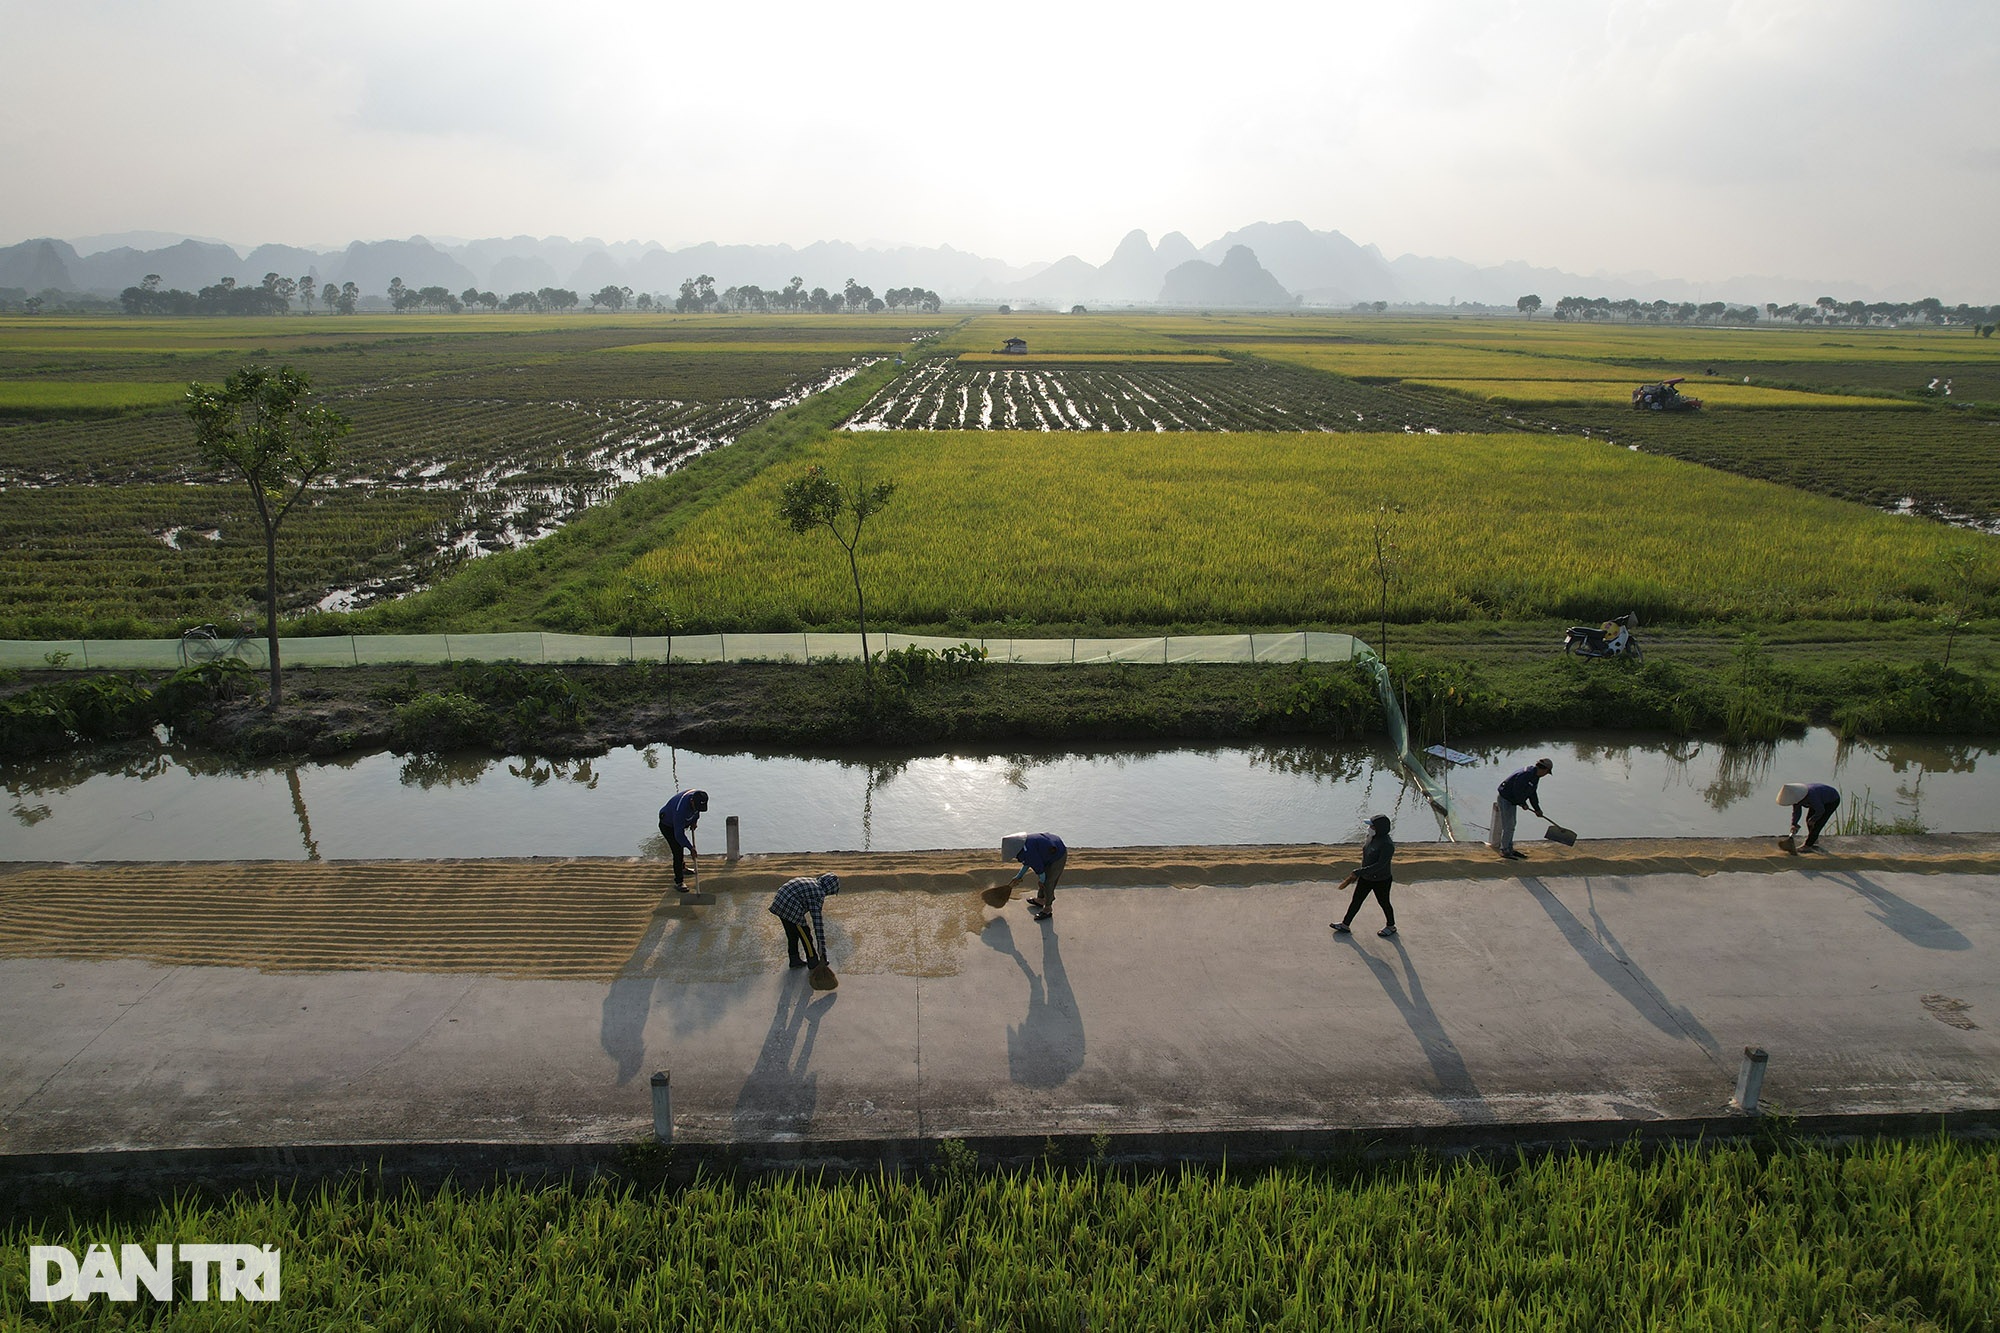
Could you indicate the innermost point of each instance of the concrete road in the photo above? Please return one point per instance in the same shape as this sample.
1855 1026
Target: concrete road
1173 990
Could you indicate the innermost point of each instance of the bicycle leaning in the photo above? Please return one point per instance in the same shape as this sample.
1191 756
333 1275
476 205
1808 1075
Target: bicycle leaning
204 643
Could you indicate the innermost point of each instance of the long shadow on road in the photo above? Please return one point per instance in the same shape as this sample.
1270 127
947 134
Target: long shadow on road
628 1001
1609 959
782 1091
1901 915
1046 1050
1454 1080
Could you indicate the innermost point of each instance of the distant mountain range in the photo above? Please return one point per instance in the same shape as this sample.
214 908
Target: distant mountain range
1265 265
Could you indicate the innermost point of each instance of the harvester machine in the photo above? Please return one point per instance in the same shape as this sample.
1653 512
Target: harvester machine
1664 397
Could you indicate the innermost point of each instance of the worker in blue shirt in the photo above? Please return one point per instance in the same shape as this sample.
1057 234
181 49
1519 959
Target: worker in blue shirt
1044 854
1521 788
797 900
1815 800
678 818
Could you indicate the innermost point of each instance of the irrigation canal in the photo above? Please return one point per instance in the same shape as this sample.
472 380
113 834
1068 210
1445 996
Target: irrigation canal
170 805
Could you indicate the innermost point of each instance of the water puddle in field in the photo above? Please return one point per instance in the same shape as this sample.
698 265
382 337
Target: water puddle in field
169 804
506 507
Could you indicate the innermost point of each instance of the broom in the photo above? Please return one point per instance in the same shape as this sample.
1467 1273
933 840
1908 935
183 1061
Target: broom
999 895
822 977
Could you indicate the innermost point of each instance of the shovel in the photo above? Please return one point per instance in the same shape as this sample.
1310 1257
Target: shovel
822 978
1557 833
999 895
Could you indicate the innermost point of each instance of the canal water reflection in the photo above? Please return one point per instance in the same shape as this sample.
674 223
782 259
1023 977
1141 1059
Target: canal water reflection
166 804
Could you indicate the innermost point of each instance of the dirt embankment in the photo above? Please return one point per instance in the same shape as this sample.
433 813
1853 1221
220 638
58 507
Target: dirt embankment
583 710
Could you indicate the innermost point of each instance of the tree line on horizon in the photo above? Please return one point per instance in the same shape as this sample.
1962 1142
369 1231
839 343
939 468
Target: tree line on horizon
1826 310
275 294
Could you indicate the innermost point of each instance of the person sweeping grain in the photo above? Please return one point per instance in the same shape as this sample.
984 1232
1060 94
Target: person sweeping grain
1372 876
1520 789
799 900
1045 854
1816 801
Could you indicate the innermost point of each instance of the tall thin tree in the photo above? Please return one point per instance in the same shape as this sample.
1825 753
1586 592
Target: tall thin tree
258 425
816 500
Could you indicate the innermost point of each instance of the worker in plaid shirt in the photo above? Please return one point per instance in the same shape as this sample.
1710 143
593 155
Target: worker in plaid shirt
796 898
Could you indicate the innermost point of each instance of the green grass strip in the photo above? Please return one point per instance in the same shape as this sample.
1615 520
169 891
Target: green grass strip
1882 1235
30 399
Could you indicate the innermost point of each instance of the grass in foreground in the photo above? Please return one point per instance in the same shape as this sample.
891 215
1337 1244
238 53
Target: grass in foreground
1883 1235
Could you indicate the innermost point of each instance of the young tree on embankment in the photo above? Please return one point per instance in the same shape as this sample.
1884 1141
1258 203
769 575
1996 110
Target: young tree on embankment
817 500
258 425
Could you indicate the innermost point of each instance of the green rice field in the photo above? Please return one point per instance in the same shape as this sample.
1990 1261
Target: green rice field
83 398
1881 1235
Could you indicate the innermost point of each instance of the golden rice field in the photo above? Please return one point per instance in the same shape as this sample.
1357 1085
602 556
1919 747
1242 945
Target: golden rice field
1618 393
1777 342
1377 360
1069 333
1278 529
1093 358
705 347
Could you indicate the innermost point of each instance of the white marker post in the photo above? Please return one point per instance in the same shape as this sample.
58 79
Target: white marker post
663 1106
1750 1081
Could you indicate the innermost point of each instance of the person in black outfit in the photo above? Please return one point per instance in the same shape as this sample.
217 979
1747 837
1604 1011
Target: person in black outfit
1816 801
1372 877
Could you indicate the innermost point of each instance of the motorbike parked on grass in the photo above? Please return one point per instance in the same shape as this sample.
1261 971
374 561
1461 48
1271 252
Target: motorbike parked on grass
1612 639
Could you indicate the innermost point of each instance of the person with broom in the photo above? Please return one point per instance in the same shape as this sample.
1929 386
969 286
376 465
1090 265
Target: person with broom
800 899
678 818
1372 877
1043 853
1520 788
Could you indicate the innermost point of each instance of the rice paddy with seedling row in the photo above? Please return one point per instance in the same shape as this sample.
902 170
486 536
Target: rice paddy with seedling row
1220 395
471 434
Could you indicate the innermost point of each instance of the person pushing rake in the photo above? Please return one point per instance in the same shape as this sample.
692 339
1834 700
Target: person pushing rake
678 818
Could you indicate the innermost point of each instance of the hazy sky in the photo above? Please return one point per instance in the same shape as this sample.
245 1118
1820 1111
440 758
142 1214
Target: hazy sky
1704 139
